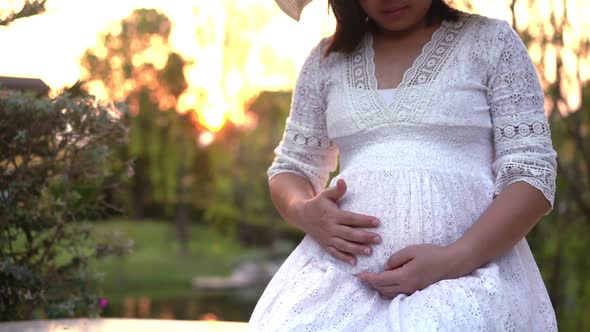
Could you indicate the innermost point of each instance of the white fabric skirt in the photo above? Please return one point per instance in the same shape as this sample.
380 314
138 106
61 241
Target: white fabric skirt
313 291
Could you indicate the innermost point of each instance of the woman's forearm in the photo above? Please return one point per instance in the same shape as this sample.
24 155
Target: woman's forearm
287 190
509 218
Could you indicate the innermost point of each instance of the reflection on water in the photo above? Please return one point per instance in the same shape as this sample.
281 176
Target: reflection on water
121 325
226 310
227 305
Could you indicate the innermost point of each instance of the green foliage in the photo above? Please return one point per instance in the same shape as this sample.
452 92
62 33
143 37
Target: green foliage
558 241
239 203
163 143
56 161
154 246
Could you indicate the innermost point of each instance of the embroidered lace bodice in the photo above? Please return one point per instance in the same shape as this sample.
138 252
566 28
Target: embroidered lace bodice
427 158
387 94
485 82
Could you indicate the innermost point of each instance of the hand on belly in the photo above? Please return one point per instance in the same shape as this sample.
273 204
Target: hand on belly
411 269
337 231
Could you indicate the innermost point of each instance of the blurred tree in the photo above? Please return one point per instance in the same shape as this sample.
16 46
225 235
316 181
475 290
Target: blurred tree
560 241
135 64
562 253
560 47
255 156
9 14
240 201
56 156
240 198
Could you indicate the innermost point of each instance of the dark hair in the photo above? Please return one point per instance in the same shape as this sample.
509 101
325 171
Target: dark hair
352 24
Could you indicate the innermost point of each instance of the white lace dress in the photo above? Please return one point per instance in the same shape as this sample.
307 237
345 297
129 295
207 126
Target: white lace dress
466 121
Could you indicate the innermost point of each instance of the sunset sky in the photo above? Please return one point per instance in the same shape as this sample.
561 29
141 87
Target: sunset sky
49 46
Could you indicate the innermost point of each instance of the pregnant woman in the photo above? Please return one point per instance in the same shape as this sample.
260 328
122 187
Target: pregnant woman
446 163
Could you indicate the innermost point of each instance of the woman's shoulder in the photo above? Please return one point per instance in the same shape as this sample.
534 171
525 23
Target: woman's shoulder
485 26
318 62
319 51
486 37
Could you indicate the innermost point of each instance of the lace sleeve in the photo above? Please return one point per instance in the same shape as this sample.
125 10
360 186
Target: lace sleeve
305 148
522 137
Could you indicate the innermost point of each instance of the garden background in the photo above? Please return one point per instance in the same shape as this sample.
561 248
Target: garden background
134 184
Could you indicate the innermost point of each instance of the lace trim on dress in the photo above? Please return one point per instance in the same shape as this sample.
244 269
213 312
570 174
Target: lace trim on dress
537 128
414 103
415 95
306 148
522 136
536 175
312 141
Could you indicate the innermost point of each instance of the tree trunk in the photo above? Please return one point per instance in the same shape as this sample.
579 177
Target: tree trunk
182 211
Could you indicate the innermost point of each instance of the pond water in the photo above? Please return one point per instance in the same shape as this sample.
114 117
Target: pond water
121 325
226 305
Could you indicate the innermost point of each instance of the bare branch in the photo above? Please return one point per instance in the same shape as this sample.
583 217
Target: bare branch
31 8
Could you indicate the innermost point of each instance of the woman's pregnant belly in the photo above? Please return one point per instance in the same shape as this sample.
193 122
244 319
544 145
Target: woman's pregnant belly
414 206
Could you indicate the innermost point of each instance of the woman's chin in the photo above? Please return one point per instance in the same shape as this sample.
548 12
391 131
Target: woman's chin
396 25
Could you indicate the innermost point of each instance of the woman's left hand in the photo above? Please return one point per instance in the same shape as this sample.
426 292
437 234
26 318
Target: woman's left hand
410 269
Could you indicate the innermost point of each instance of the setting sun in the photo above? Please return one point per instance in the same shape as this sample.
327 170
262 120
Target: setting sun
235 49
143 135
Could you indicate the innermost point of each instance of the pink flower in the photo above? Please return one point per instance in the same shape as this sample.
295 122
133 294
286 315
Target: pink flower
103 303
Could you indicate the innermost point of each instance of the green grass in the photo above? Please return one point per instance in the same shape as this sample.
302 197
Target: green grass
155 267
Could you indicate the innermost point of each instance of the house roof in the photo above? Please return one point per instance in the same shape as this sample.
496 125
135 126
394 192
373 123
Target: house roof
25 84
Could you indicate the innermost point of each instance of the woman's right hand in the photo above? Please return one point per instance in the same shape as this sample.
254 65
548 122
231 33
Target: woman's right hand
335 229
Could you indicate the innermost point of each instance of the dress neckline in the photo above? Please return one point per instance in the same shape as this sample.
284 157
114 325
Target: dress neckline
418 85
406 77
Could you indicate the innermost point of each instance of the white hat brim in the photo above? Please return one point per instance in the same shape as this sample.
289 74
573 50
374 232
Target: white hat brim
293 8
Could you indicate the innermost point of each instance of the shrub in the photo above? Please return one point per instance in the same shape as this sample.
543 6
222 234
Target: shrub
57 159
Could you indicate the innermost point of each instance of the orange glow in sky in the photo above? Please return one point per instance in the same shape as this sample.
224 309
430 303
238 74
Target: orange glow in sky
237 48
